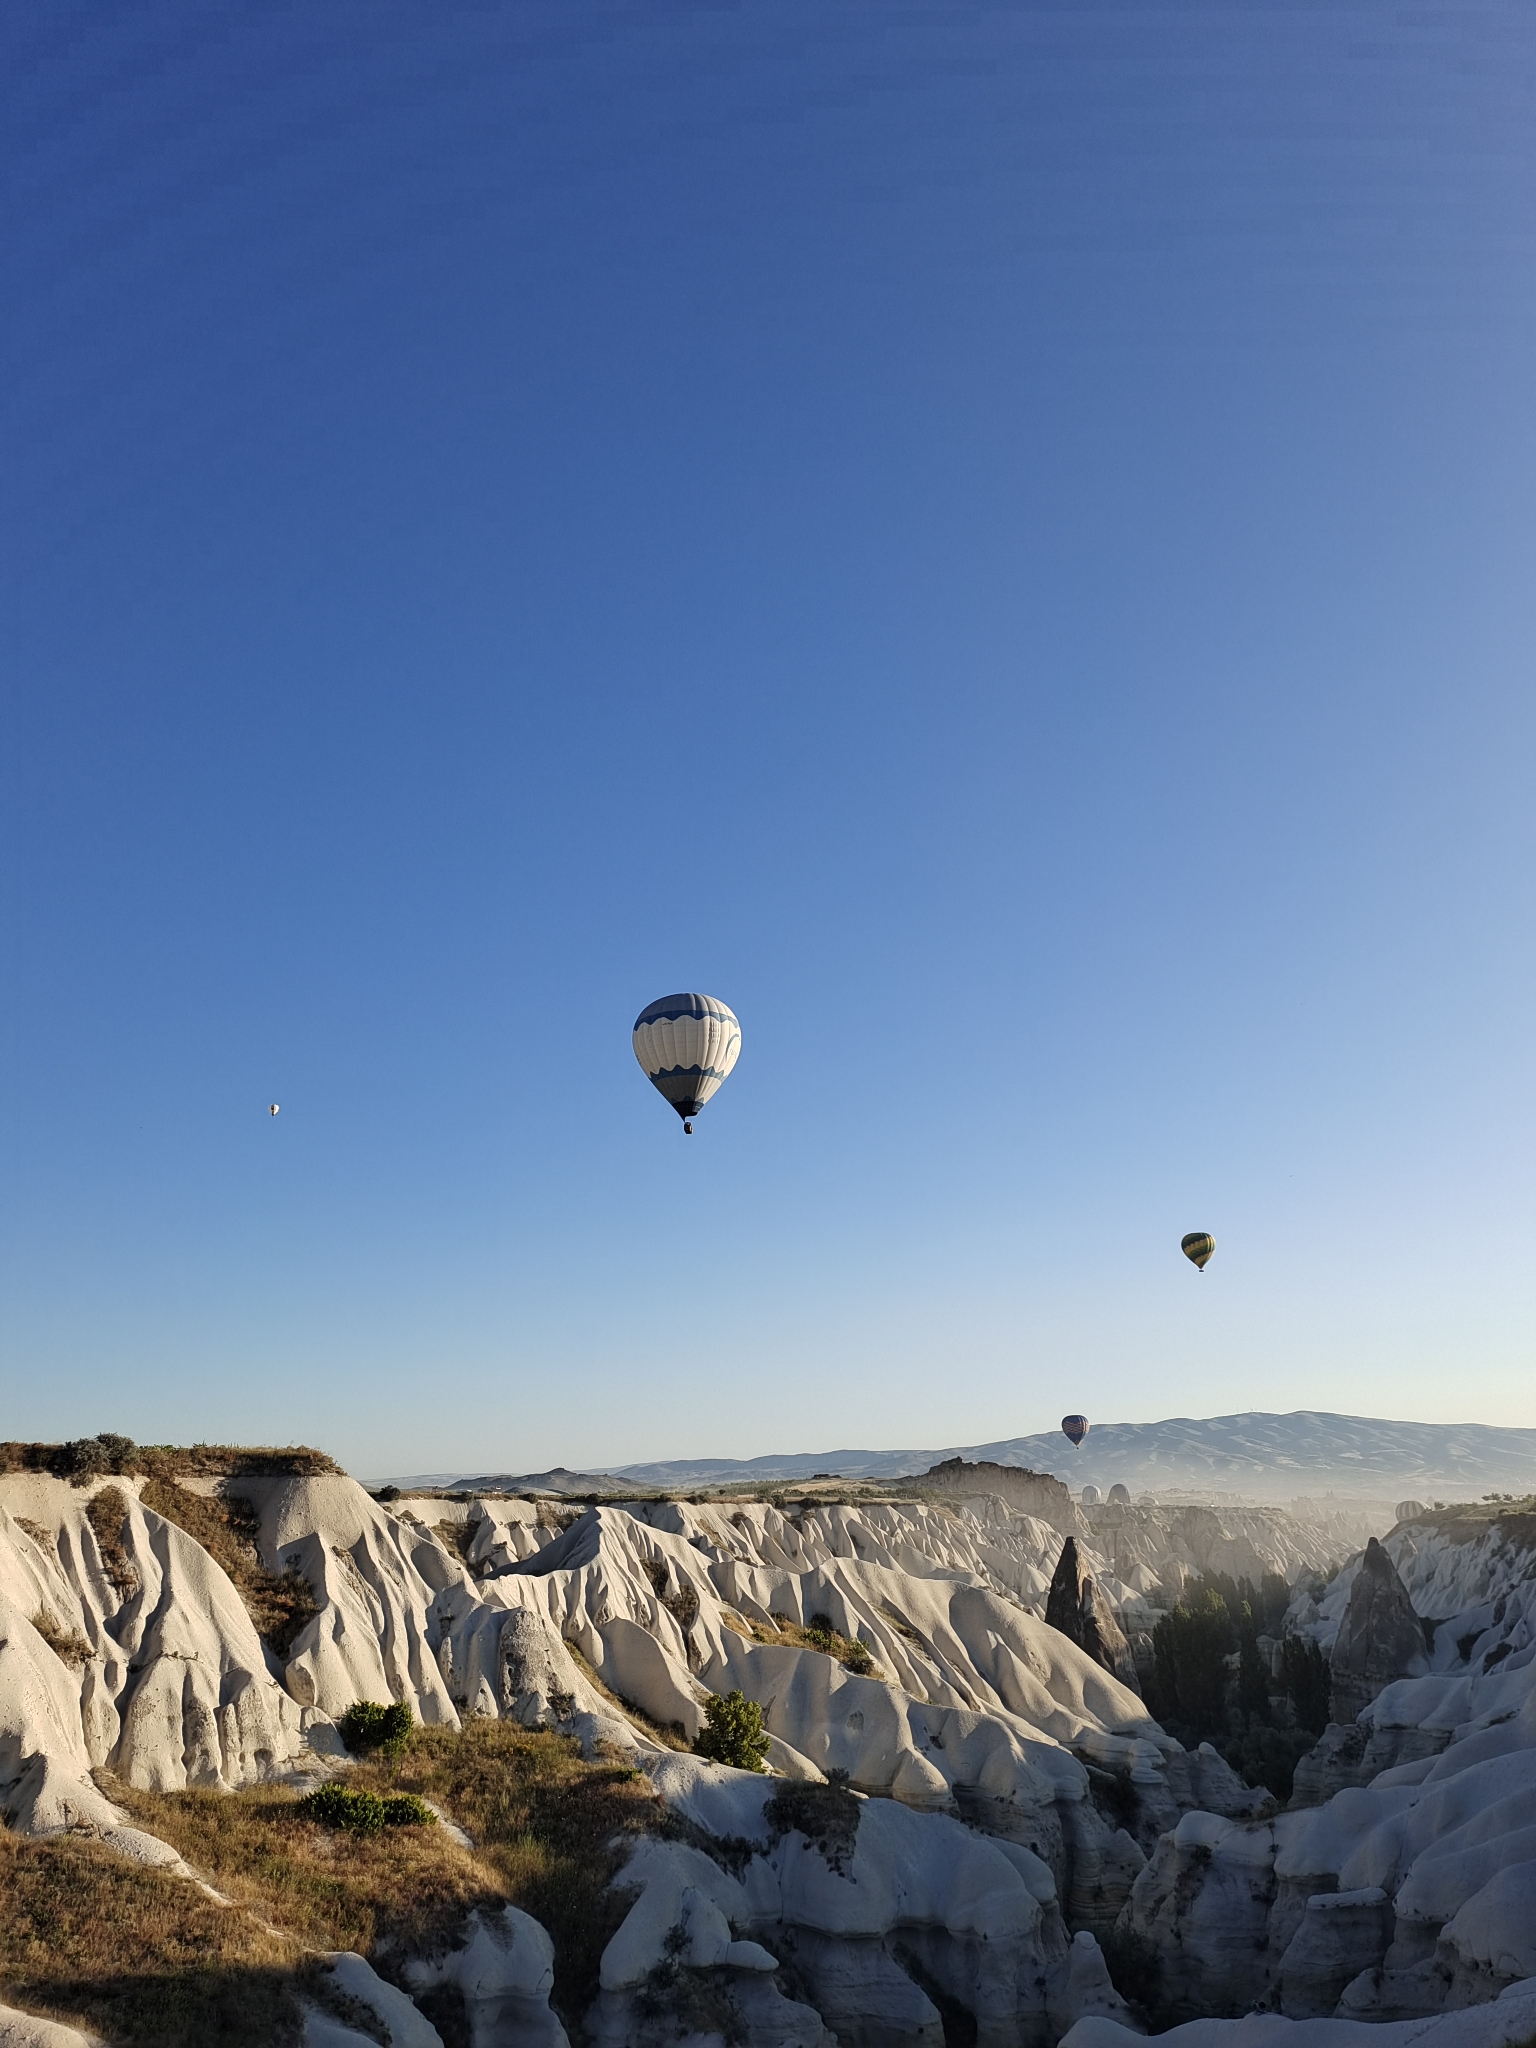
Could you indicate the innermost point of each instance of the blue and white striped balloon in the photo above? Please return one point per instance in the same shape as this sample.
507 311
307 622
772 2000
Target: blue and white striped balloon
687 1044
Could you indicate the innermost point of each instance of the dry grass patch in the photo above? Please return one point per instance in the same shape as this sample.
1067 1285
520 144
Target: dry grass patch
549 1832
553 1830
821 1636
406 1889
107 1513
69 1648
139 1956
279 1603
456 1537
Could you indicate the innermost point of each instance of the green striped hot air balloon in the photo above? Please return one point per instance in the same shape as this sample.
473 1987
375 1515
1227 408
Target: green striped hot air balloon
1197 1248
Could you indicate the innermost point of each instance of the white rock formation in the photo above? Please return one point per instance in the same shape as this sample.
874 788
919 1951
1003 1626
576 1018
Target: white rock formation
1406 1889
357 1984
23 2030
913 1897
504 1971
1509 2022
168 1682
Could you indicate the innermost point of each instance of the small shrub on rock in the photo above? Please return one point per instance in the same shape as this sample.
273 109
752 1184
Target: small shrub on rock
733 1732
827 1815
371 1729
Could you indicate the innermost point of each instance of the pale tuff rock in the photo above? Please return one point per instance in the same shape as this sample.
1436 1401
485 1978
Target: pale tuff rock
1324 1954
359 1985
1474 1585
913 1897
1379 1639
1023 1492
1509 2022
22 2030
374 1577
1402 1896
170 1686
1077 1607
504 1971
1490 1943
512 1664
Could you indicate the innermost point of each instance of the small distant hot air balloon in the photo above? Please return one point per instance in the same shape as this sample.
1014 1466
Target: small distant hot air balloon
1074 1428
273 1108
686 1045
1197 1247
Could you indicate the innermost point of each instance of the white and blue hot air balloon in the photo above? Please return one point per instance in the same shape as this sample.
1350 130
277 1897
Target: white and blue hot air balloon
687 1045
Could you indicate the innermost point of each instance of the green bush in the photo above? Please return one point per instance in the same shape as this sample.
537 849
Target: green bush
339 1806
405 1810
369 1729
733 1732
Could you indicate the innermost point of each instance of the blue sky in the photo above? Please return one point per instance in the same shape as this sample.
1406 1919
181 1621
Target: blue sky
997 540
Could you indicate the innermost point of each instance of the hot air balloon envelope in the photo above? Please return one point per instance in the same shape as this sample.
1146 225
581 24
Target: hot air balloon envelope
686 1045
1197 1247
1074 1428
273 1108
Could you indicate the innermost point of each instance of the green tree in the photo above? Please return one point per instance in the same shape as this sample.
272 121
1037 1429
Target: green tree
733 1732
1252 1671
1190 1648
1308 1681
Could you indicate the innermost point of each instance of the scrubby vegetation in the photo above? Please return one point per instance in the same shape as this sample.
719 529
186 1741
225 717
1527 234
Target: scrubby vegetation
364 1812
733 1732
678 1597
817 1634
369 1728
279 1603
827 1815
70 1648
110 1454
1211 1681
107 1513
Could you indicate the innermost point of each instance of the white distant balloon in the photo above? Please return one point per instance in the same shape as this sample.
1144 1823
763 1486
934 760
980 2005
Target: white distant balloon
686 1046
273 1108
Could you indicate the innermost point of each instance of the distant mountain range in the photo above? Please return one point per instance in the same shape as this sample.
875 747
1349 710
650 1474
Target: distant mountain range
1259 1456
